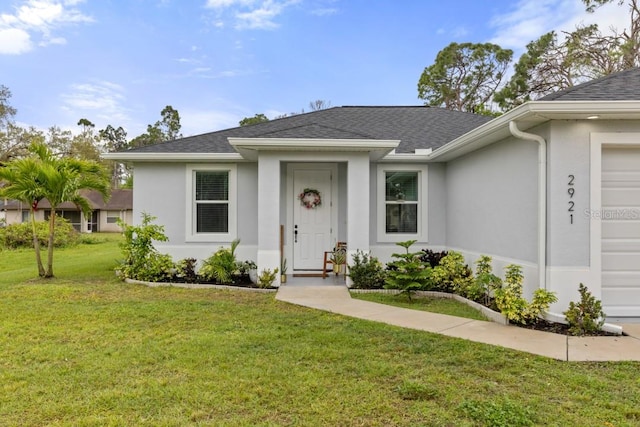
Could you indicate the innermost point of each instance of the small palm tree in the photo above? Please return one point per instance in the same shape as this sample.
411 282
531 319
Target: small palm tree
19 180
62 180
43 175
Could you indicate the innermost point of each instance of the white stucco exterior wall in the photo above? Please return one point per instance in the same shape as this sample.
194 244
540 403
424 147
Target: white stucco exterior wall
160 190
492 200
569 257
492 206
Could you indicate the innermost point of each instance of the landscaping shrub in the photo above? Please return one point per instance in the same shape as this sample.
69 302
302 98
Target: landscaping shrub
186 270
484 282
16 236
432 258
585 317
222 266
366 272
512 304
141 260
408 273
266 278
452 274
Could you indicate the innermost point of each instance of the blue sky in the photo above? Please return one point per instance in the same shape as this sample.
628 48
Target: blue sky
120 62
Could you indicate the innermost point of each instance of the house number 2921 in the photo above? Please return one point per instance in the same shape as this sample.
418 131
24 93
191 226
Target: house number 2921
571 191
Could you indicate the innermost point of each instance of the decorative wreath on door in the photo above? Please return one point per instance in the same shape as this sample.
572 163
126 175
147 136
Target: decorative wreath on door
310 198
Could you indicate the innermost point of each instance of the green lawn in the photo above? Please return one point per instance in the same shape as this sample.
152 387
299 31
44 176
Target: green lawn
86 350
435 305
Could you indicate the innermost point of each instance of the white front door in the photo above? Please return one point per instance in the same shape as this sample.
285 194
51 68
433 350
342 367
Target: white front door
312 226
621 231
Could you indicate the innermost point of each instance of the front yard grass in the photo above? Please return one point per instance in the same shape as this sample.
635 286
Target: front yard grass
435 305
86 349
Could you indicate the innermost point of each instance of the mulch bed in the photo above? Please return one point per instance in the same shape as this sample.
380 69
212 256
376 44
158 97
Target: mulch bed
561 328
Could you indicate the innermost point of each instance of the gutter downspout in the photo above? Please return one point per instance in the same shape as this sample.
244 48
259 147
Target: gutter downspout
542 199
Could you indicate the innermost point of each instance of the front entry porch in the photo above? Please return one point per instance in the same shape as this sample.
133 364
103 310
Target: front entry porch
286 166
342 215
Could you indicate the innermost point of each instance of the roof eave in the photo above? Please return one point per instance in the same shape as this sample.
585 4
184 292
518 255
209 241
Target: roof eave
532 114
249 147
173 157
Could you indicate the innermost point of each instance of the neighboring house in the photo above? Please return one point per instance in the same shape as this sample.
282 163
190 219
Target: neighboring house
552 185
104 216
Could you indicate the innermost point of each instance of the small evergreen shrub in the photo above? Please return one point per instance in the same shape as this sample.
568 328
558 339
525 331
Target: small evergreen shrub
586 316
407 272
366 272
452 274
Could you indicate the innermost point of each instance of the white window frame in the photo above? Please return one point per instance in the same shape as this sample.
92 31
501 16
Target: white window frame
191 214
114 215
421 234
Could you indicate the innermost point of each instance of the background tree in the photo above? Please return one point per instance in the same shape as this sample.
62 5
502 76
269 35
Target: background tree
169 125
258 118
86 144
319 104
550 64
58 141
115 140
464 76
166 129
14 140
7 112
628 39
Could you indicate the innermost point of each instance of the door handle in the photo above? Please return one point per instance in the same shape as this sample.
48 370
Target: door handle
295 233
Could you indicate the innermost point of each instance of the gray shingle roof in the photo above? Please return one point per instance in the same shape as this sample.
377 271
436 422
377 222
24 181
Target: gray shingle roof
621 86
416 127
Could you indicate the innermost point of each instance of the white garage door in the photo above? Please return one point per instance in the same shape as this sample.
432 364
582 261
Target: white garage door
621 231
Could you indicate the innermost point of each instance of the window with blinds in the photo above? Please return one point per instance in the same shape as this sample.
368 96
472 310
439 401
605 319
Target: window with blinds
212 201
401 201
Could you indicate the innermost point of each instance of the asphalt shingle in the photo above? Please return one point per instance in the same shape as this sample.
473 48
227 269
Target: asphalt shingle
415 126
621 86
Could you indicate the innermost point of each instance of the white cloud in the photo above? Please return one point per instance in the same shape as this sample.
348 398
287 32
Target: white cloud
258 19
14 41
37 19
250 14
102 100
529 19
221 4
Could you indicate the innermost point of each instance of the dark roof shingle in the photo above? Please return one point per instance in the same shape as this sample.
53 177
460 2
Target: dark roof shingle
621 86
415 126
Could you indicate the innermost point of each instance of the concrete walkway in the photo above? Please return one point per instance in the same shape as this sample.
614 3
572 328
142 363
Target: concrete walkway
334 297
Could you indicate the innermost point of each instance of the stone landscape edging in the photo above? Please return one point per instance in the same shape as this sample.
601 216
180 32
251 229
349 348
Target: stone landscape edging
494 316
196 286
